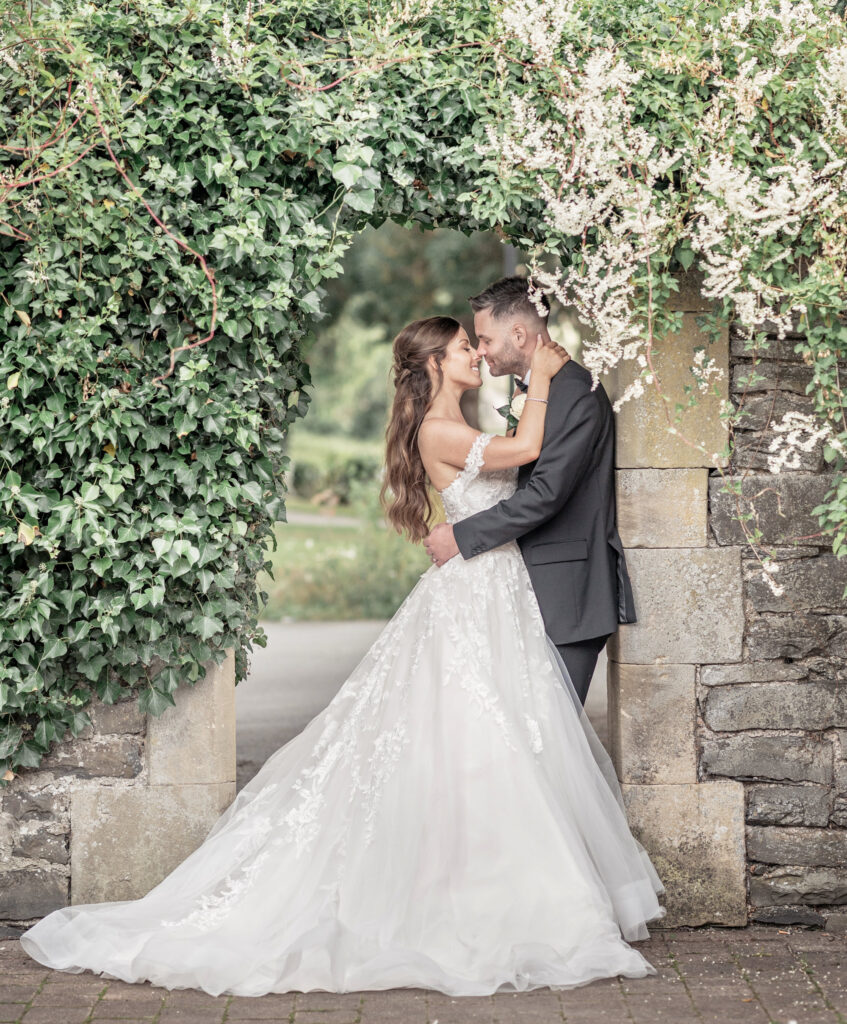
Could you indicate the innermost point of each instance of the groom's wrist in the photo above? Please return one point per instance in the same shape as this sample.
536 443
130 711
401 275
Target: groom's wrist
463 536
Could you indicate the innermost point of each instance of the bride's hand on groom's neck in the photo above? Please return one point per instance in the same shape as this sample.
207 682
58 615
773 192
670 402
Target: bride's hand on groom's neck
548 357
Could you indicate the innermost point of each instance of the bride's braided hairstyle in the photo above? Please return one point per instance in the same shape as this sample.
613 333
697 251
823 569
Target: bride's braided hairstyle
409 509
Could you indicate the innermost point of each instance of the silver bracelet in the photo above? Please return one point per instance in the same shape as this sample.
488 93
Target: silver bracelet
544 400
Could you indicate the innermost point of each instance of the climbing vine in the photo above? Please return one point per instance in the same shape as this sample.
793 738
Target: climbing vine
177 182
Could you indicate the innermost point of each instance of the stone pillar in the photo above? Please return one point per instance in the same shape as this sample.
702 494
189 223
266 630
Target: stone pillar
108 814
688 598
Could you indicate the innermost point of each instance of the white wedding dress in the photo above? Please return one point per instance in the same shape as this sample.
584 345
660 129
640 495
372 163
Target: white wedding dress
448 822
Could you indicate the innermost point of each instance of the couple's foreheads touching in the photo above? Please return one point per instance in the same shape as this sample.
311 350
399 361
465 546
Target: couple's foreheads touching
507 323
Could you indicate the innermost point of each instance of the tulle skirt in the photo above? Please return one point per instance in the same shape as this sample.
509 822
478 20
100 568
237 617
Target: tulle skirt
449 821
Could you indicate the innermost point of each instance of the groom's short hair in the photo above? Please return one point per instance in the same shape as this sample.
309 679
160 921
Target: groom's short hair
508 297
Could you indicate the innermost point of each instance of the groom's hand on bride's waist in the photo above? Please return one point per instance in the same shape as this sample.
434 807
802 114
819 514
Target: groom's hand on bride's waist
440 544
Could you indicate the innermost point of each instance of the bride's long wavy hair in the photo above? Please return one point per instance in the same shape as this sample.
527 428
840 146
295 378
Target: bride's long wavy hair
409 507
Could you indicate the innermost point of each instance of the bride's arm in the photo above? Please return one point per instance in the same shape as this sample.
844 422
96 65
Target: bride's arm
449 442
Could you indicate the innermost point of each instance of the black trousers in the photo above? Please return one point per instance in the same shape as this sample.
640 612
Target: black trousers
580 659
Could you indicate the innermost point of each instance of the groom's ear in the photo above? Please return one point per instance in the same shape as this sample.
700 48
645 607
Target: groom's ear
519 334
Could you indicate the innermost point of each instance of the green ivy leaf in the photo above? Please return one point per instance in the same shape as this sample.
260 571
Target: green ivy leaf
54 648
209 626
154 702
347 174
365 200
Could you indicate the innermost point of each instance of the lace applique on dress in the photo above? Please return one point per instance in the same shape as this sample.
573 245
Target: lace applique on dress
476 455
212 907
474 489
534 730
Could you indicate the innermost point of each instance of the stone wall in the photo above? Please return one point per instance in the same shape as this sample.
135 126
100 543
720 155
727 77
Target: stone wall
108 814
777 718
727 704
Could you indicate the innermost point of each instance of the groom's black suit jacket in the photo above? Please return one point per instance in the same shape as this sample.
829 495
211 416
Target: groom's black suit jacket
563 516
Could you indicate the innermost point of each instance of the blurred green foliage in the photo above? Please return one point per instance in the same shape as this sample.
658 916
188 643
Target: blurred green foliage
340 572
392 275
327 468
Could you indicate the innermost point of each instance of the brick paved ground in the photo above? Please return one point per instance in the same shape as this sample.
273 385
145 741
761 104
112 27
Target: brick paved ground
753 976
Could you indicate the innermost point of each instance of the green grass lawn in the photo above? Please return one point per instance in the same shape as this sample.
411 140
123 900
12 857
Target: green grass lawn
339 572
328 571
304 445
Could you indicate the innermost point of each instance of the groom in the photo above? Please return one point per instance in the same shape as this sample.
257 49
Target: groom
563 512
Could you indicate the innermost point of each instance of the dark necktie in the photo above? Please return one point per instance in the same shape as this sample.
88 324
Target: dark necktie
520 385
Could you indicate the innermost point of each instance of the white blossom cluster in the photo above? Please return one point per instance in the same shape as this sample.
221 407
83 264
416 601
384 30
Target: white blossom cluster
831 91
798 432
737 210
747 89
542 25
794 17
234 58
403 12
584 152
597 172
26 71
705 368
10 60
413 10
36 274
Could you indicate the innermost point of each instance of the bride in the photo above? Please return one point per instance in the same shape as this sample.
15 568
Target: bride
449 821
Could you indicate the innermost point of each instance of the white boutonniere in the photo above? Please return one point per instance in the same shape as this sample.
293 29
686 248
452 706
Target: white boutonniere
516 406
513 410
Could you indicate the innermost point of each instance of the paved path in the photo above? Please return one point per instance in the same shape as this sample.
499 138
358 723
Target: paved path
299 672
290 681
717 976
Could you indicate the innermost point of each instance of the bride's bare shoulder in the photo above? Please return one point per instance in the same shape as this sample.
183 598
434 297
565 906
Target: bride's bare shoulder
438 432
444 441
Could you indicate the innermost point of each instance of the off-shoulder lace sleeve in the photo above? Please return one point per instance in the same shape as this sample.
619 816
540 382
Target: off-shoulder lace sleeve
476 455
473 464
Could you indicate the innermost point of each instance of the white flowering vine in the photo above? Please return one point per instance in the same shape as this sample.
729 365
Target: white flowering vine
753 197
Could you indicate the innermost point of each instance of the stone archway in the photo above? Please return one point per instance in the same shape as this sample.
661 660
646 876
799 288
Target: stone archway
112 812
132 781
136 794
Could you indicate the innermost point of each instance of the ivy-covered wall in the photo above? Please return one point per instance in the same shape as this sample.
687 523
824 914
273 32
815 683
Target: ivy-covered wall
133 511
